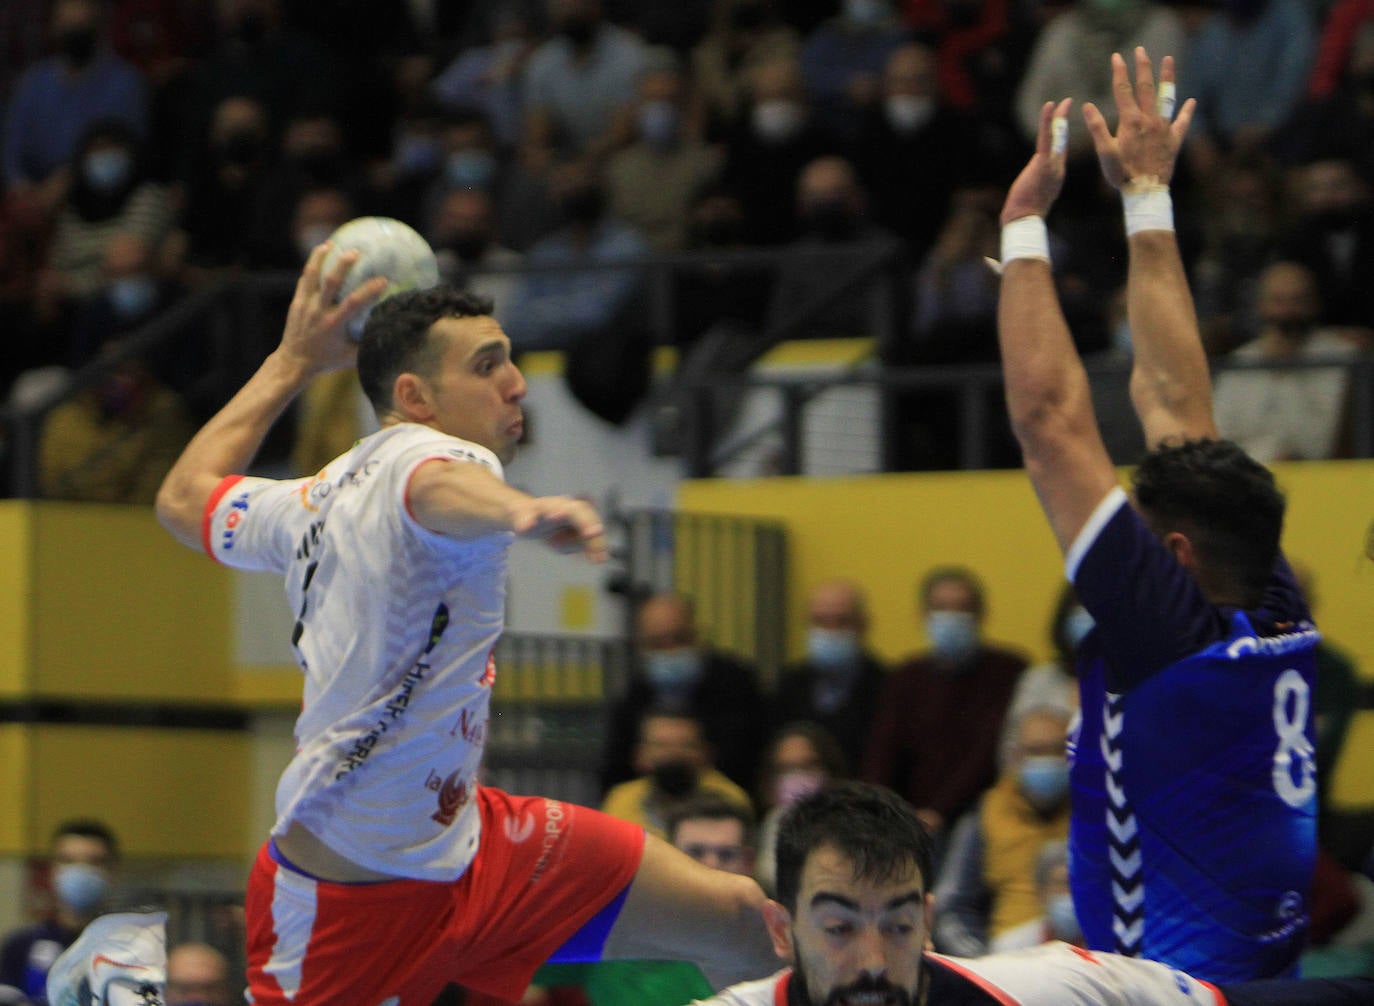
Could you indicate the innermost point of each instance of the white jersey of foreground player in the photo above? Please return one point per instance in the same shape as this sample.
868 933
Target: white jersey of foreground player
395 630
1052 974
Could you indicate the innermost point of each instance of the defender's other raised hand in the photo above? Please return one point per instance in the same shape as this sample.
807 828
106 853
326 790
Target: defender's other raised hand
1037 186
1147 142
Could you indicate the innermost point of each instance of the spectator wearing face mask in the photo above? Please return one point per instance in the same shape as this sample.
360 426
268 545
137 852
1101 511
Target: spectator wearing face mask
938 728
83 855
988 886
1052 683
651 183
770 147
57 100
744 35
837 684
465 242
676 670
110 194
802 757
842 61
674 766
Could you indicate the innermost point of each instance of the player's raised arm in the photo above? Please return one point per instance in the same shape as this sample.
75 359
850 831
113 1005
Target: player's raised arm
1046 387
1170 386
313 342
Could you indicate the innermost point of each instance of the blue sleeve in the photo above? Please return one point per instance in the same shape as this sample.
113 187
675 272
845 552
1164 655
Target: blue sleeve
1150 611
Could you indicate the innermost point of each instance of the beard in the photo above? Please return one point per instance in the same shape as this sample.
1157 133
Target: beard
877 990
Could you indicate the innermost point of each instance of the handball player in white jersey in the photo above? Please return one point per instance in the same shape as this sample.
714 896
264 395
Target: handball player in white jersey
390 872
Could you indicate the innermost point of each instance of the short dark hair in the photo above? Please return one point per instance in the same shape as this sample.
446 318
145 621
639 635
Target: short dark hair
956 574
711 807
872 826
1224 500
87 827
396 337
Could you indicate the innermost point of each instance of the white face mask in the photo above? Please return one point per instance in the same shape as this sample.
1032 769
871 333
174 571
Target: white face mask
953 635
907 113
777 120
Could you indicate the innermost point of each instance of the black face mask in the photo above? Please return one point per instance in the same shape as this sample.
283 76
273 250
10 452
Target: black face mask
1330 221
252 29
831 221
583 205
747 16
717 232
468 247
578 30
674 778
77 46
241 148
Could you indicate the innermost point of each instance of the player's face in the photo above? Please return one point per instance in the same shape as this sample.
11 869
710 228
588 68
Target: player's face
858 942
477 388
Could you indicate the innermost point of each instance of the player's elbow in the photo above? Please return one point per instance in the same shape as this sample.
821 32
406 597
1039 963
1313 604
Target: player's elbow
178 511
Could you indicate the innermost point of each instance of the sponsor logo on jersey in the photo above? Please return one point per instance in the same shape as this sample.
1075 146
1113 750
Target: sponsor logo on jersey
489 675
555 823
238 508
452 795
314 491
518 833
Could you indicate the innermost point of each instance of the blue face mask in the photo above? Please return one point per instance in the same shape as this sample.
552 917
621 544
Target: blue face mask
832 649
132 296
953 635
1077 624
470 169
1045 780
416 155
673 669
107 170
1062 919
658 122
80 886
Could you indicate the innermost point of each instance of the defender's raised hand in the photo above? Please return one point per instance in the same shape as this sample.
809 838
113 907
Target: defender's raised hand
1148 136
1038 184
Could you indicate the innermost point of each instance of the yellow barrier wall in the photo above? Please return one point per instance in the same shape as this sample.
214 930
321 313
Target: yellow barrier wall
885 531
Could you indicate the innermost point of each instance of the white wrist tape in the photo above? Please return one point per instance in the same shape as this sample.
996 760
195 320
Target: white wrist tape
1025 237
1148 209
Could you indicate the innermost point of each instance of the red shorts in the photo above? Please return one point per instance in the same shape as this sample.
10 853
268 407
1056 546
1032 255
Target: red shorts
543 871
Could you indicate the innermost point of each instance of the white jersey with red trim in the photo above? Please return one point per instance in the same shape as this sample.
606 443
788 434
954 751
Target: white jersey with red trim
394 631
1052 974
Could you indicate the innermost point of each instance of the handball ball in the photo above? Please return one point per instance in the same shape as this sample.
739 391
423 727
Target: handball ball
385 247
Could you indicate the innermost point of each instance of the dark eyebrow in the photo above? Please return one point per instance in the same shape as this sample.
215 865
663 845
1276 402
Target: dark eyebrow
489 348
829 897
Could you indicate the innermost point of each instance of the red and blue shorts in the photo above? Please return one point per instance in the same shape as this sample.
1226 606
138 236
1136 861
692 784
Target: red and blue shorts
547 883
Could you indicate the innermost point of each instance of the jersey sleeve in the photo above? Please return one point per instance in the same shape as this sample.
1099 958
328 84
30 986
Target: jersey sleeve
1150 611
439 448
250 523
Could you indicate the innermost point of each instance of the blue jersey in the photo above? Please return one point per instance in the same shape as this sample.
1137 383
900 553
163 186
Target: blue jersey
1193 834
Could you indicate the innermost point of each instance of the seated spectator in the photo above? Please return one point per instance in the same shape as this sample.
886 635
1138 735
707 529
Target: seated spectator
567 308
938 730
1057 919
911 190
772 143
675 669
987 885
980 49
228 175
715 831
1332 234
578 86
1247 67
1052 683
801 758
57 100
837 684
842 61
744 35
1286 414
84 855
110 194
465 243
652 181
487 76
673 764
198 975
115 440
832 217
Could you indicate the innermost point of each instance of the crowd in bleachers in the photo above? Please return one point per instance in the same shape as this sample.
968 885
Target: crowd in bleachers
153 147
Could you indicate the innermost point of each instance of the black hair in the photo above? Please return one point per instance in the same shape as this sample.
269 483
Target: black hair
870 825
88 827
711 807
957 574
1225 501
396 339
